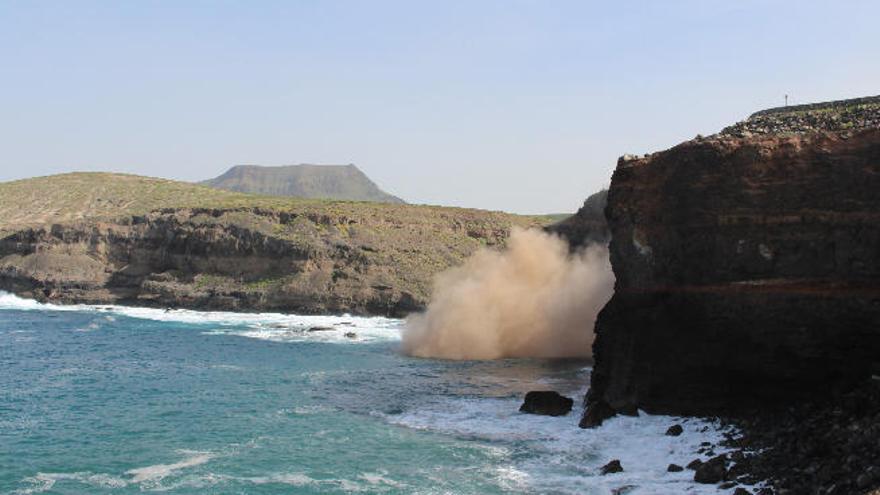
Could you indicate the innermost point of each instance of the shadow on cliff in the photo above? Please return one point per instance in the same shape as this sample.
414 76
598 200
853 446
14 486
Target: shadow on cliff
534 299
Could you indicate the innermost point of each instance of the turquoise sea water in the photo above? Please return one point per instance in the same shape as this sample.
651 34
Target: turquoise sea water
121 400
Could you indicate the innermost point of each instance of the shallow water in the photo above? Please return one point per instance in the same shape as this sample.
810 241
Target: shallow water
126 400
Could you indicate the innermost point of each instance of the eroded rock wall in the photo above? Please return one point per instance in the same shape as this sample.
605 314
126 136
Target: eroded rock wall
748 270
244 259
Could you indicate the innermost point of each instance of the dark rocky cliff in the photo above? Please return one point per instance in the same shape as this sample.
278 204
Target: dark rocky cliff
587 225
748 271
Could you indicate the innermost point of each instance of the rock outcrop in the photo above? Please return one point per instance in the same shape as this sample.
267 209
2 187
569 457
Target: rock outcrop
362 258
835 116
587 225
547 403
748 272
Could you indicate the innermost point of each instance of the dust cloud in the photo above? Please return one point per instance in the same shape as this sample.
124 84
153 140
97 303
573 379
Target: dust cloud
533 299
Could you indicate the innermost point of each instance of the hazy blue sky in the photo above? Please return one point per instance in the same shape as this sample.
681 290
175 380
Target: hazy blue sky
516 105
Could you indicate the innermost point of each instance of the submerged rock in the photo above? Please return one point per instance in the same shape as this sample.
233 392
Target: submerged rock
612 467
548 403
623 490
319 329
674 431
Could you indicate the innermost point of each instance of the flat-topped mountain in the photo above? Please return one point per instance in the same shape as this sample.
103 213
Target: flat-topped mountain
343 182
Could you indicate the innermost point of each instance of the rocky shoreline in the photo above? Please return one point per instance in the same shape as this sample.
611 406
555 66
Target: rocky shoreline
830 445
826 446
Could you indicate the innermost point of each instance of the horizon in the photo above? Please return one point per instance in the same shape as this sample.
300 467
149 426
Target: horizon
512 106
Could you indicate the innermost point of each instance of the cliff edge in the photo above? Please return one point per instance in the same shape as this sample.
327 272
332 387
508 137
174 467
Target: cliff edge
747 266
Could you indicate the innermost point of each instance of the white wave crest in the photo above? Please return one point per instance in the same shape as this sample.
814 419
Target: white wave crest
159 471
276 327
44 482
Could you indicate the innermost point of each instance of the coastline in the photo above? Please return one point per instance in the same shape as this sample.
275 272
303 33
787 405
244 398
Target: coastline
640 443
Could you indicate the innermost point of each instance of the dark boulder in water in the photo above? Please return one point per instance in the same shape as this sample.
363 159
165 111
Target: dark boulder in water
674 431
612 467
674 468
546 402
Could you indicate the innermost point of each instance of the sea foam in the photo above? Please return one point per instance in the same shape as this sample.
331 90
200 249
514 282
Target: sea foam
277 327
552 454
159 471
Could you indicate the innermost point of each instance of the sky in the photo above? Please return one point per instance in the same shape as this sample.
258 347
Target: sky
522 106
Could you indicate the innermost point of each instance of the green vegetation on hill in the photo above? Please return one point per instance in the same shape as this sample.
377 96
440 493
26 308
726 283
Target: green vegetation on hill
345 182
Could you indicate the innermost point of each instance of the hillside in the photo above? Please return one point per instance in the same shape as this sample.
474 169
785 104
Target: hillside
112 238
345 182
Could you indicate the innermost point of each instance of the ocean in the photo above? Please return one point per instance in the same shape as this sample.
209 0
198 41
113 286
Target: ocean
108 399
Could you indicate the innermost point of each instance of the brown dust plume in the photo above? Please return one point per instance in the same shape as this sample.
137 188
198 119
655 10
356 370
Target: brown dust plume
533 299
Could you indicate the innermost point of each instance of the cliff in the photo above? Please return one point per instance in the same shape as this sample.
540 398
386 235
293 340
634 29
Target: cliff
587 225
747 267
112 238
342 182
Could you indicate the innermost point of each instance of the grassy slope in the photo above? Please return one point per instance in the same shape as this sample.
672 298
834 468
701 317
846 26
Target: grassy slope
77 196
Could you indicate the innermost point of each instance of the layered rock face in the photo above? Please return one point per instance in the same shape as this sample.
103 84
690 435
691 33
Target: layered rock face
379 262
748 271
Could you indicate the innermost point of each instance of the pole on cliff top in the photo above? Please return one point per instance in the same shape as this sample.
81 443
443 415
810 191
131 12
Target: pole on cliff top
786 100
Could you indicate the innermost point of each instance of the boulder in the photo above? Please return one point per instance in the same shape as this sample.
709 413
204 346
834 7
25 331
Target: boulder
612 467
546 402
674 431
